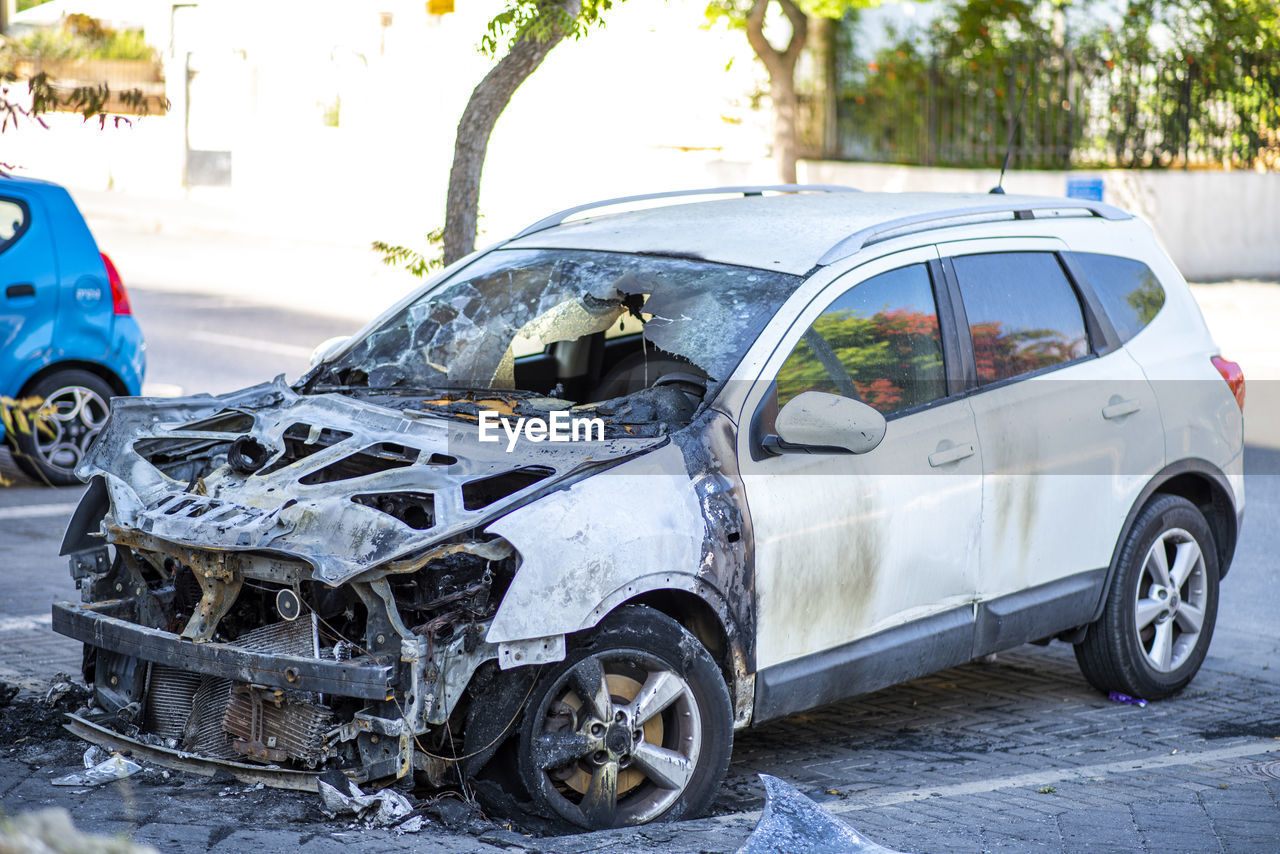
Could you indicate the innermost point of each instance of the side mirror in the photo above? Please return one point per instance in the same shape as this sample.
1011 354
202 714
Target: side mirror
817 420
327 348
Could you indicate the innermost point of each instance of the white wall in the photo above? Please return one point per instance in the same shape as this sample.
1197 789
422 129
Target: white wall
1215 225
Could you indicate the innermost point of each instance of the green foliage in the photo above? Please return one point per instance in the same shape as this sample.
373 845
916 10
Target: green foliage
538 20
91 102
1174 82
735 11
24 5
333 112
1218 78
80 37
1212 29
417 263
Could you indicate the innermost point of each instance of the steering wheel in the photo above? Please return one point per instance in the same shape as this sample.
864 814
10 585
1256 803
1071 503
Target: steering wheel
691 384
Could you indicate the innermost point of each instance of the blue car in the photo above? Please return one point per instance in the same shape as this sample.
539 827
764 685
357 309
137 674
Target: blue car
67 333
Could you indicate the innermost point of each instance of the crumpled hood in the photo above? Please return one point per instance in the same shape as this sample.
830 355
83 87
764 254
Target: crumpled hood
343 484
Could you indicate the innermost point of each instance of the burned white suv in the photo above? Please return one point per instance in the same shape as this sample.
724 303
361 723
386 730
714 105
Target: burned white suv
596 497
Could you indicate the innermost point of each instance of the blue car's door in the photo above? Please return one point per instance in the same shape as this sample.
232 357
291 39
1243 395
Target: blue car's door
28 286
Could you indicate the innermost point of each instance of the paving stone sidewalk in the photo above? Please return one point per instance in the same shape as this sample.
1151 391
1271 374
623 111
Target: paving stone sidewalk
1015 755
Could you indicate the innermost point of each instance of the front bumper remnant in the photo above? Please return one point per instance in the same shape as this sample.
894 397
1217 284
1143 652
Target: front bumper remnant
369 678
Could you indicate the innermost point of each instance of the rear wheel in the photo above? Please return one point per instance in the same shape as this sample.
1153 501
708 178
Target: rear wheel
1161 607
78 403
635 725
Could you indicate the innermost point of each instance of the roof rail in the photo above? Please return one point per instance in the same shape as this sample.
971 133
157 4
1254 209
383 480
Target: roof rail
753 190
937 219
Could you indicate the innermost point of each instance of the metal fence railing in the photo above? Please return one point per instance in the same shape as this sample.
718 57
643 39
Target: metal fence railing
1080 111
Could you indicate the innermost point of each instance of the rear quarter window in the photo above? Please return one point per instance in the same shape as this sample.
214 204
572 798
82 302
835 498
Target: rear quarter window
13 221
1129 291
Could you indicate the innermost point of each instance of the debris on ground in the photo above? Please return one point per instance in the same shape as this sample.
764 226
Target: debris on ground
64 694
50 831
100 767
385 808
1117 697
793 824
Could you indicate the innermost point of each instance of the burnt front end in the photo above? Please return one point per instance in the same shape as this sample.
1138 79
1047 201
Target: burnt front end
279 585
242 660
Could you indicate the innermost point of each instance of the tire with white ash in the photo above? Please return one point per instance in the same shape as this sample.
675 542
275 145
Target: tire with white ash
634 726
1160 609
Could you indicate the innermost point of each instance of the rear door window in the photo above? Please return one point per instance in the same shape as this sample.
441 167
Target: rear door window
1129 291
13 221
1023 313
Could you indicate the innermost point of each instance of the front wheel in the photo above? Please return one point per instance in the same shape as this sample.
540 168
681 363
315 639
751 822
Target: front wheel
635 725
1161 606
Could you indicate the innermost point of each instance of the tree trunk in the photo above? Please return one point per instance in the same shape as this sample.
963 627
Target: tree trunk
487 102
781 66
782 92
824 38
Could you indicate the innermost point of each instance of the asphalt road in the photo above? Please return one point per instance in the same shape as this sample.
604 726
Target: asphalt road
1016 755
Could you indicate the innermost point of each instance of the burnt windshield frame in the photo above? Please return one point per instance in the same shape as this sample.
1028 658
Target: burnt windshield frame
464 334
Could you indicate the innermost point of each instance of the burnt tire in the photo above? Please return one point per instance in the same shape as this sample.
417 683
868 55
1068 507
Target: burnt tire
1158 617
81 402
634 726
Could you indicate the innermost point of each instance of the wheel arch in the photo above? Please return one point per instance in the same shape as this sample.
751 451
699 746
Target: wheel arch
705 615
697 615
99 370
1204 485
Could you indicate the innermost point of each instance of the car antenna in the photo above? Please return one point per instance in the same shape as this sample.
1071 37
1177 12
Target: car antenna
998 189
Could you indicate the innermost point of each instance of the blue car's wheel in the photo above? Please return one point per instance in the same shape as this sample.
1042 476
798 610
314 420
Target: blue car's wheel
76 404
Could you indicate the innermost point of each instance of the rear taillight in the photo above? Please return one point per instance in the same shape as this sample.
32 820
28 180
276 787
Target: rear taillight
1234 376
119 296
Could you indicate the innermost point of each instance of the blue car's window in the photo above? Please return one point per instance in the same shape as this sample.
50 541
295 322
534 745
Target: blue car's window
13 221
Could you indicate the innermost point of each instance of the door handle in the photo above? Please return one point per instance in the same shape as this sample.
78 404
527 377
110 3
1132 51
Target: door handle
1120 408
23 290
950 455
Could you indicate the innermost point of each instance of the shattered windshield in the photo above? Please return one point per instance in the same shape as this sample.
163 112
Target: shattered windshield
583 326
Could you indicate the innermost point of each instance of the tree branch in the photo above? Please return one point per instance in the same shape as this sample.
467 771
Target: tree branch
755 36
799 31
486 104
777 61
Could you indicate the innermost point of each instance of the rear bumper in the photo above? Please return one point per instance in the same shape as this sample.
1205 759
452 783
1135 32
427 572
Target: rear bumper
366 678
129 353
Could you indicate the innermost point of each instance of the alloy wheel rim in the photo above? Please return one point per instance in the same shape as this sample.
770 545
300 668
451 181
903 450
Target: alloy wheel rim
72 418
1169 603
619 740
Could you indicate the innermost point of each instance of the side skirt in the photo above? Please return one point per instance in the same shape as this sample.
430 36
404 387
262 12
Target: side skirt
926 645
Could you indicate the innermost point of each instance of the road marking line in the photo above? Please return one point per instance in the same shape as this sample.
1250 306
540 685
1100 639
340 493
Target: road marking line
252 344
27 623
1038 778
150 389
36 511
